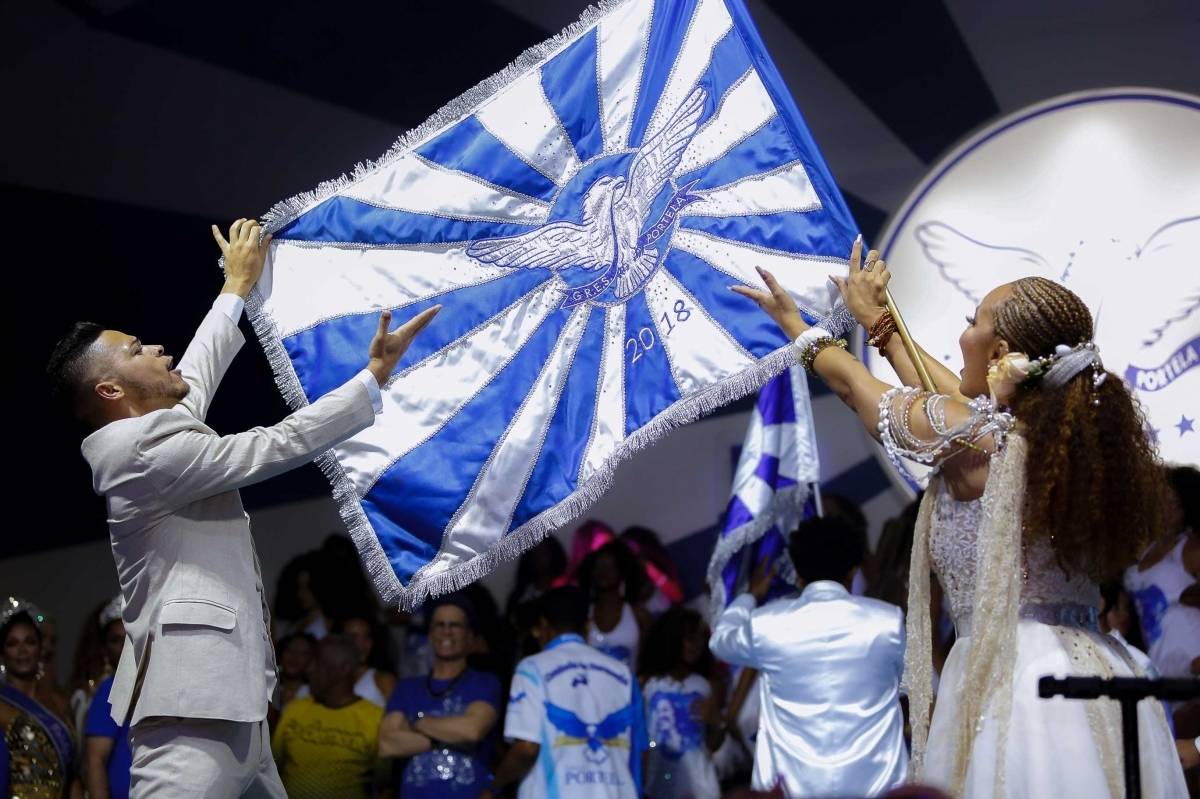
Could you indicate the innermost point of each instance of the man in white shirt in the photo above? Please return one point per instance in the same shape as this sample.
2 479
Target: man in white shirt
575 716
830 665
197 669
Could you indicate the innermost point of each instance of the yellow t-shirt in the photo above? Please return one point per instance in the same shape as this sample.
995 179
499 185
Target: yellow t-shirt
322 752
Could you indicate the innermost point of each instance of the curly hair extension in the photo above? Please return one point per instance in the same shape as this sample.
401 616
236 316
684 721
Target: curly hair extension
1094 484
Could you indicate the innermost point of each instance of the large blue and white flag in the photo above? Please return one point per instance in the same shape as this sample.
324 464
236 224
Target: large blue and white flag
774 487
580 216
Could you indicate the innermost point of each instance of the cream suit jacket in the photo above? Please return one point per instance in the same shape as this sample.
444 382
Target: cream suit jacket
196 619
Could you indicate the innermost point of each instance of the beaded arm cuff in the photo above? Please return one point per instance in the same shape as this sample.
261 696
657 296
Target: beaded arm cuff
810 352
895 431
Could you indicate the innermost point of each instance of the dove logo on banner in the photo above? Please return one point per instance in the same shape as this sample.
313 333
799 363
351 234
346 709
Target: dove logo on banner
1099 191
580 217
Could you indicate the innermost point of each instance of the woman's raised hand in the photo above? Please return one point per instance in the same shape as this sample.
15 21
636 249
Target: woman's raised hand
864 290
777 303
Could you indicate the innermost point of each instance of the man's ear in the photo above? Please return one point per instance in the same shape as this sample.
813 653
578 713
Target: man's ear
108 390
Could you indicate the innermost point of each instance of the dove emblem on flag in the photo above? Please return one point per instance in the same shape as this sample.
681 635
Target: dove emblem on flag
613 234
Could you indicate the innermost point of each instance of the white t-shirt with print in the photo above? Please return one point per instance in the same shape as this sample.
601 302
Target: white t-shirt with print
585 711
680 765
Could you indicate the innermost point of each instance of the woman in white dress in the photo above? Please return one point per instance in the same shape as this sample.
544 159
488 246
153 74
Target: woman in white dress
1038 492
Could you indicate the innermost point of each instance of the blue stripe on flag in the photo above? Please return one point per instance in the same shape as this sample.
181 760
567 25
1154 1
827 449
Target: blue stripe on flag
790 231
329 354
569 81
406 553
470 147
661 50
341 219
769 147
814 163
428 485
649 386
730 60
768 471
557 470
755 332
737 514
779 406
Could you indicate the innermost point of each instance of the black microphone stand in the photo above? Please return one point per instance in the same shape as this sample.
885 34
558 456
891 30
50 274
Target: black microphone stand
1128 691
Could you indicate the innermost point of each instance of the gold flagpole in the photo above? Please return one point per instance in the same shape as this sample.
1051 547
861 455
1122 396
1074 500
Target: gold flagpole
910 346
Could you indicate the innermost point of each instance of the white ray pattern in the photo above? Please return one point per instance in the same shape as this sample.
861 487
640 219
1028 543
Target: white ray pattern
744 109
488 509
420 400
710 21
524 120
699 350
786 188
621 40
608 424
800 275
414 184
356 279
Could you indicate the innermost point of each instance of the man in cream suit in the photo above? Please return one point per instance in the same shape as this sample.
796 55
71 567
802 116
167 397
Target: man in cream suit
830 664
198 669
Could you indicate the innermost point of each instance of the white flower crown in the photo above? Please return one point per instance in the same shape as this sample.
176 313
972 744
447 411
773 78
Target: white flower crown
1016 369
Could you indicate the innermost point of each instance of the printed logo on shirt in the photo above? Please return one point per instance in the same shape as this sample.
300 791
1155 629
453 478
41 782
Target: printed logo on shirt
317 734
587 776
673 726
574 731
1152 603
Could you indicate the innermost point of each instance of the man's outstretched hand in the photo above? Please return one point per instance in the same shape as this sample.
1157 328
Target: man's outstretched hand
387 348
245 251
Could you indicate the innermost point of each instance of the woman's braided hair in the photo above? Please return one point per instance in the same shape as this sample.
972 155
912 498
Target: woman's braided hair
1094 485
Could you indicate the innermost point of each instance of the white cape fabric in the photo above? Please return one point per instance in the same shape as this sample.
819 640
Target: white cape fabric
580 216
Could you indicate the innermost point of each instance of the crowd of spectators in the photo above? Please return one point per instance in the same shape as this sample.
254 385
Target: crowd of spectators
595 675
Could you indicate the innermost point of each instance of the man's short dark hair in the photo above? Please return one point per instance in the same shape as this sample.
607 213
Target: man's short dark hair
566 608
70 365
825 548
462 602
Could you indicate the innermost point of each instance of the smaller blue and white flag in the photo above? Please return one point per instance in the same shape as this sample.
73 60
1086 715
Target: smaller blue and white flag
774 488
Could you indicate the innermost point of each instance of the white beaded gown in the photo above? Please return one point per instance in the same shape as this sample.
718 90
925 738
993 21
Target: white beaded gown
990 734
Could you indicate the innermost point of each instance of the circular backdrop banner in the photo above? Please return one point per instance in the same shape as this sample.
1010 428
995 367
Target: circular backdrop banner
1098 190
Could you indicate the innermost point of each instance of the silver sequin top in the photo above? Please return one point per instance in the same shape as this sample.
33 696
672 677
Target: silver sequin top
1048 594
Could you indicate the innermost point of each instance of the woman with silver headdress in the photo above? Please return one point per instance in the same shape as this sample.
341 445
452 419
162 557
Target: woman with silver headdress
1043 483
37 745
